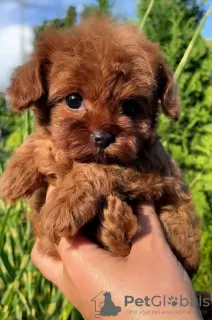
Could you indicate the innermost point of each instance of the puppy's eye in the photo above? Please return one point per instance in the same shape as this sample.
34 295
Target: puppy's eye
130 108
74 101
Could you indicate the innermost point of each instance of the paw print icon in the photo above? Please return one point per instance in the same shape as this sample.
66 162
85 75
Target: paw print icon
173 301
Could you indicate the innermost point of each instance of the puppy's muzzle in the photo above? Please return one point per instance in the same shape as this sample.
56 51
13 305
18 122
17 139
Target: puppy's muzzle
102 139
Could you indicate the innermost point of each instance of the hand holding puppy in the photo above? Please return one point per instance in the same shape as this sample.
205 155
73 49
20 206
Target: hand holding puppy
84 270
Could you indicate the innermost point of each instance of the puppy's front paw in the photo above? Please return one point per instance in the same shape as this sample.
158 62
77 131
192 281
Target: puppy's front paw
19 180
66 212
44 155
49 160
21 177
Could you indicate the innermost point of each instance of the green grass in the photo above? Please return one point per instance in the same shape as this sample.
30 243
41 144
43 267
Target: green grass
24 293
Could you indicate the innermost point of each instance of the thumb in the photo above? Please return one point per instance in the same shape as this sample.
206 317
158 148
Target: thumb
150 229
80 253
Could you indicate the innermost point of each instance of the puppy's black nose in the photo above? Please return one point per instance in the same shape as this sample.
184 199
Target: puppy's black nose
103 139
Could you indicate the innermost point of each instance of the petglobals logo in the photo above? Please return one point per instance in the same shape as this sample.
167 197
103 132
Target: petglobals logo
164 301
104 305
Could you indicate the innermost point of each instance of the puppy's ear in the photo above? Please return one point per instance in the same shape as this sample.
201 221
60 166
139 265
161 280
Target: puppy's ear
25 86
168 92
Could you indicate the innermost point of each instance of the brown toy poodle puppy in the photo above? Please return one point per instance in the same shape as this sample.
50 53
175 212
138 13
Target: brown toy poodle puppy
95 91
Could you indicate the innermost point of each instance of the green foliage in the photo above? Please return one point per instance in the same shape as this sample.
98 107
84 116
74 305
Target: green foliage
104 5
24 293
68 21
209 43
10 131
189 140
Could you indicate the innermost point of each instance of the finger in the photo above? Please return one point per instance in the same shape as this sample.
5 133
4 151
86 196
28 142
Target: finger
80 254
150 229
148 220
78 247
51 269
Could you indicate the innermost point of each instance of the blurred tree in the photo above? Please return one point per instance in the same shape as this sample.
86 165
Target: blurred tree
2 134
3 129
209 43
189 140
10 130
68 21
104 6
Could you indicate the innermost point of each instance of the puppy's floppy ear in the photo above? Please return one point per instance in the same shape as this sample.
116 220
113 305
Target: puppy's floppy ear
168 92
25 86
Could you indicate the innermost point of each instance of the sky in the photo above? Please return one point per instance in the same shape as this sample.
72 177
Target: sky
15 22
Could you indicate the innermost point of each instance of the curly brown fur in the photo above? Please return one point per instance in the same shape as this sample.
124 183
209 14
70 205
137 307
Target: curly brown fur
121 77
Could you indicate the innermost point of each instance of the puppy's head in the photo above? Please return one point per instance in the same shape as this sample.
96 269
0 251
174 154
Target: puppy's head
96 89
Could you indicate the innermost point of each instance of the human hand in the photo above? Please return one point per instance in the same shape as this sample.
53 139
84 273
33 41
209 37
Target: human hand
151 270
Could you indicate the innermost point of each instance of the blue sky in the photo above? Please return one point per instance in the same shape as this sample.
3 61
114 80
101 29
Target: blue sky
35 11
38 10
207 29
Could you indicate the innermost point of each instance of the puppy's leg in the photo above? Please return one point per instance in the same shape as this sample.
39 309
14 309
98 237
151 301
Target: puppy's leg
69 207
117 227
183 231
35 159
36 202
50 161
21 177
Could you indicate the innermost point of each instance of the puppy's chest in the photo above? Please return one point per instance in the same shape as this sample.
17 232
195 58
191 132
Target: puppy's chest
129 182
